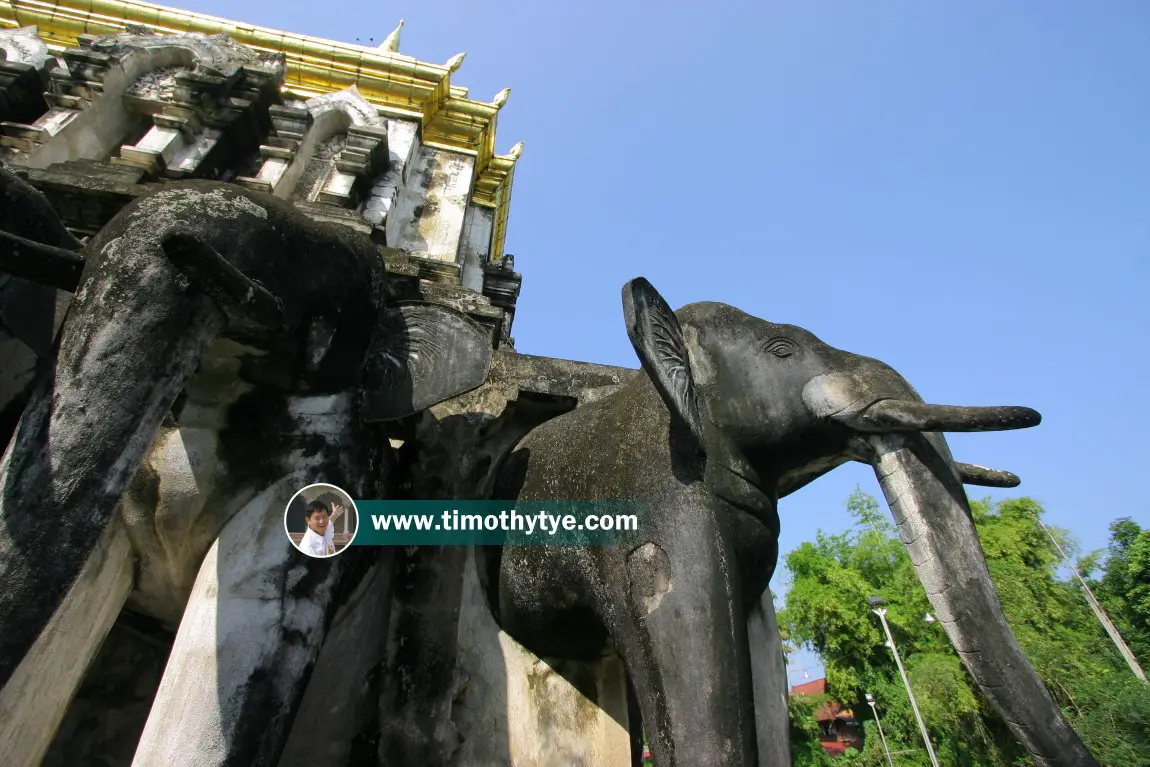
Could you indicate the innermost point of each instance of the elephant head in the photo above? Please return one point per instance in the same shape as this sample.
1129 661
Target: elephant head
198 269
772 407
730 413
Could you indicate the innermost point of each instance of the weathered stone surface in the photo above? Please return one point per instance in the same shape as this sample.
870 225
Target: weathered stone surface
585 381
431 207
87 194
425 354
475 245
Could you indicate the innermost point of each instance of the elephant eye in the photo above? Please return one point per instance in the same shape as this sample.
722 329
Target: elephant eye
780 347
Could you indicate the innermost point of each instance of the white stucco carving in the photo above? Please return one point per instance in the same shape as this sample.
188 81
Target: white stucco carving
212 53
348 101
24 46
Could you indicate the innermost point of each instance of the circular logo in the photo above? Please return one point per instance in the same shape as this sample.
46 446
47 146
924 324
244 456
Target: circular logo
321 520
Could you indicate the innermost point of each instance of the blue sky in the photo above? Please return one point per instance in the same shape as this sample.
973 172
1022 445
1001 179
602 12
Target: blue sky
959 189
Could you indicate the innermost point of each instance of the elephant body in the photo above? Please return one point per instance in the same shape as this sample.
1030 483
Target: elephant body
660 604
730 413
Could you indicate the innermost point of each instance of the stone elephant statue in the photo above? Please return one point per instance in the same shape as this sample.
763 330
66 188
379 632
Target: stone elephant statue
728 414
221 351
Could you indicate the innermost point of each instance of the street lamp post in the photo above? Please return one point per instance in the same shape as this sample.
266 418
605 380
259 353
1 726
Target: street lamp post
886 750
881 613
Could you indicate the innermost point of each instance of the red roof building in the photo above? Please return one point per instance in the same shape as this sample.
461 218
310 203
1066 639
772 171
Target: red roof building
838 728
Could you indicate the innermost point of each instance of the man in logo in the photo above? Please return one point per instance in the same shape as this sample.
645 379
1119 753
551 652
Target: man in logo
318 541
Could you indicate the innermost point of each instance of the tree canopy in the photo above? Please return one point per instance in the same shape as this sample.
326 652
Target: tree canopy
827 610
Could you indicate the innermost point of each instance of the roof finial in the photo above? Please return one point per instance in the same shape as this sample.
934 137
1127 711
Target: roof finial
391 42
501 98
516 151
455 62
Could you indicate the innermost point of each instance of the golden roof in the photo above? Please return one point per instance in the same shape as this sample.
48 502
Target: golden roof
399 85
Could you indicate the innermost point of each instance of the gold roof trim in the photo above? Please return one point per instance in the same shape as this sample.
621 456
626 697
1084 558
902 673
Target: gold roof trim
399 85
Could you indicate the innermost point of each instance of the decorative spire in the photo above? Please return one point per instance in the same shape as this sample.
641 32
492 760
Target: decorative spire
501 98
516 151
455 62
391 42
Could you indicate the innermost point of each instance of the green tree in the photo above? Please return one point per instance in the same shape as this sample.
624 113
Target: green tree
1124 588
827 610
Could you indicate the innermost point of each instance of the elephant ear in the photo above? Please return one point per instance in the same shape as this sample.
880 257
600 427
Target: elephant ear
658 340
422 354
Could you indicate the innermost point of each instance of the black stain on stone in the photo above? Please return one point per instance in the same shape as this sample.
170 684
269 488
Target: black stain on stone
258 731
259 436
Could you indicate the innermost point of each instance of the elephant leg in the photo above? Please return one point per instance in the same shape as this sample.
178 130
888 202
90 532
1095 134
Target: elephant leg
769 677
37 695
249 638
683 637
338 719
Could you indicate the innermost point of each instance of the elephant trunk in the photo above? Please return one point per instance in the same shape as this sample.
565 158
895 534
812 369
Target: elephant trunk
924 491
134 336
686 647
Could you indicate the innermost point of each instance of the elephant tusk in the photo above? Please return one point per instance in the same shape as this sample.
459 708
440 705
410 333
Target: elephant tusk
970 474
235 292
37 262
889 415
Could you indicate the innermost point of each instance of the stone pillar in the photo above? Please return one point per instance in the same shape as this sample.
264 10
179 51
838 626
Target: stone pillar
475 245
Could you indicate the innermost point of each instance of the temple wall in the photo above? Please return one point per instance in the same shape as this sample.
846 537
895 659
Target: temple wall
430 210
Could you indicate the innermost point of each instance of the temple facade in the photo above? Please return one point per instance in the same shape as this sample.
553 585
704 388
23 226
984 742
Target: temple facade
101 102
